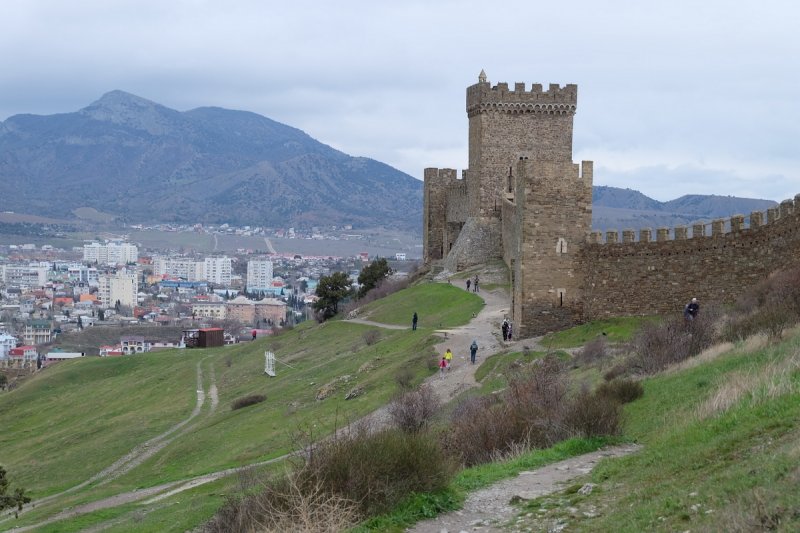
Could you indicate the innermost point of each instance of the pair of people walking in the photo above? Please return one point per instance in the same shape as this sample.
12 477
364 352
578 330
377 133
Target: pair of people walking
508 330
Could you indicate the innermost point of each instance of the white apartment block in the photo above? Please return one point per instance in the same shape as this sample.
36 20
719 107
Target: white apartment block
112 253
24 276
259 275
187 269
219 270
7 342
119 286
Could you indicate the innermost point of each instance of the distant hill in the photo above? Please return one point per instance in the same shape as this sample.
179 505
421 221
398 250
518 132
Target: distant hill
142 161
616 208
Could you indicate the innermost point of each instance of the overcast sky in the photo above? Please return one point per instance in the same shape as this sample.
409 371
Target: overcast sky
674 97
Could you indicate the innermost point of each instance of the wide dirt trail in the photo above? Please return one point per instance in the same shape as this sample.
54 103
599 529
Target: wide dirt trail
485 330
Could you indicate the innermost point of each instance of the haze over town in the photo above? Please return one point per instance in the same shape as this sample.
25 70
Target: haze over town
674 98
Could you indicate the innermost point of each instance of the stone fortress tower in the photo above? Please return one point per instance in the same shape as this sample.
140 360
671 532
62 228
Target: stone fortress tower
524 201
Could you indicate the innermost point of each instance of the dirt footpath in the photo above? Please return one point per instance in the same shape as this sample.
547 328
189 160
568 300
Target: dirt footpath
490 510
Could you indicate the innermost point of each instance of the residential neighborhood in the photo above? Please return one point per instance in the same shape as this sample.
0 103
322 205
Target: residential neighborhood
55 302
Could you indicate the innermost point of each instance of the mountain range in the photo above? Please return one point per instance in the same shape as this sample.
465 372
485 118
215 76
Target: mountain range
616 208
143 162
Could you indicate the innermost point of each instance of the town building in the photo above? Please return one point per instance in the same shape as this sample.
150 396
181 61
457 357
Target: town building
179 268
24 276
37 332
259 276
218 270
111 253
118 287
213 310
269 311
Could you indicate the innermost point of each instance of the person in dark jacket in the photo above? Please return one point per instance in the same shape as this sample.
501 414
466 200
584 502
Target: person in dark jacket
473 350
691 310
414 321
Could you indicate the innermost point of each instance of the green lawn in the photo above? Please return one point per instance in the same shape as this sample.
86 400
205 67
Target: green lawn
438 305
615 329
76 418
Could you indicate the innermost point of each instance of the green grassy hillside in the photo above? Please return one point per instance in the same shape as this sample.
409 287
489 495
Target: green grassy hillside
77 418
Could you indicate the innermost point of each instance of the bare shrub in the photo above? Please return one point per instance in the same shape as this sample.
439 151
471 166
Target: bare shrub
481 429
593 415
284 504
660 344
593 351
616 371
621 390
228 361
404 378
371 337
247 400
412 411
530 410
769 307
378 469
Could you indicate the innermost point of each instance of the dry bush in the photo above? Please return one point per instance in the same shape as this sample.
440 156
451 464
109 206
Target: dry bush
593 351
413 411
283 504
530 410
377 469
623 390
480 429
616 371
658 345
593 415
371 337
769 307
404 377
247 400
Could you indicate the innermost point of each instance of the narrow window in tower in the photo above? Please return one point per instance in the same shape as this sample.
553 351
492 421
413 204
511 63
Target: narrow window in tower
561 246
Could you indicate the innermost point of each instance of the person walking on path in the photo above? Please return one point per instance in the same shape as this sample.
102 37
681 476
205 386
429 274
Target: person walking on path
442 366
504 328
468 283
414 321
448 357
473 350
475 284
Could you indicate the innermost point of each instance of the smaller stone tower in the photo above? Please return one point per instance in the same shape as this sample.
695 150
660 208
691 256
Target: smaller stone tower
551 221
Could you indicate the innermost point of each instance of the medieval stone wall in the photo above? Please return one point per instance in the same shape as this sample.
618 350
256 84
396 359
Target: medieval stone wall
653 277
437 182
554 204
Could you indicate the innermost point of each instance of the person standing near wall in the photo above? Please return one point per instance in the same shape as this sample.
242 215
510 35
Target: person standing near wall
475 284
469 281
691 310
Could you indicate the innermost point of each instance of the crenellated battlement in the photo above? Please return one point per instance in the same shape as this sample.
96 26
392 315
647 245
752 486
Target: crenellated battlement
718 228
556 100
